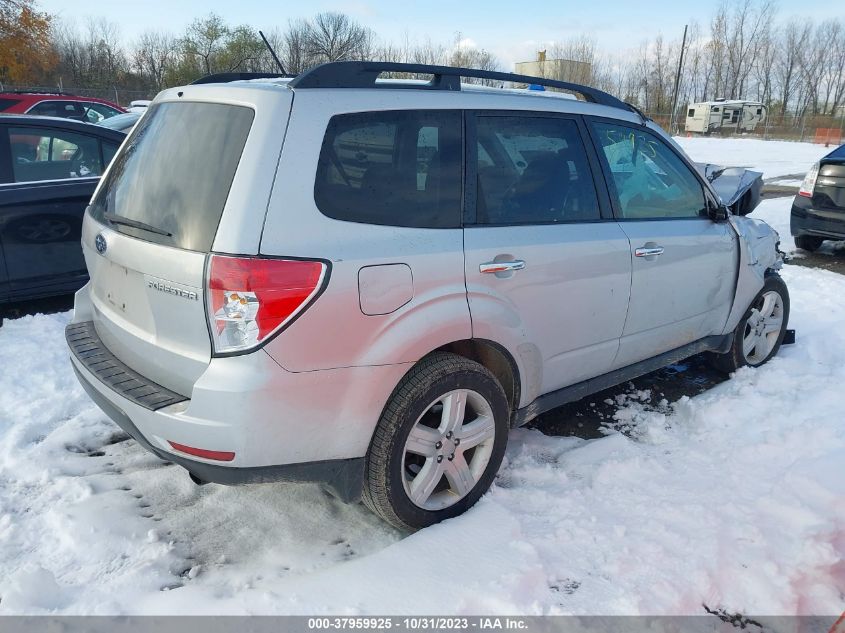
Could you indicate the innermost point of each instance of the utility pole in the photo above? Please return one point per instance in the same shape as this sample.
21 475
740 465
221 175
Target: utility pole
672 120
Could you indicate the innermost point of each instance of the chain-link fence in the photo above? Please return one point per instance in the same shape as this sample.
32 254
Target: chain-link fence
825 130
120 96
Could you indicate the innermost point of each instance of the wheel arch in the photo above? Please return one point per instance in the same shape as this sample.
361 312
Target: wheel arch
495 358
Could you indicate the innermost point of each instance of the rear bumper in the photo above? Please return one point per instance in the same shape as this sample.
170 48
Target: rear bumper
342 477
282 426
805 220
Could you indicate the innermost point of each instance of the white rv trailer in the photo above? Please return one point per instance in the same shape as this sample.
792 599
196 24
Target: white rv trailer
723 115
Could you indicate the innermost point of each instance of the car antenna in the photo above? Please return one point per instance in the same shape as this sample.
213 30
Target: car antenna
273 53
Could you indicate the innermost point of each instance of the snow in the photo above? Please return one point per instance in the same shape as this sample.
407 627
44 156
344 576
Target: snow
775 159
734 499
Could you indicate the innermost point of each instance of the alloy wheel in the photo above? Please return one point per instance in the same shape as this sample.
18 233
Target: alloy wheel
448 449
763 328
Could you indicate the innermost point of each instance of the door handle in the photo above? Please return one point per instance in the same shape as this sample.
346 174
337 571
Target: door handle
501 267
649 251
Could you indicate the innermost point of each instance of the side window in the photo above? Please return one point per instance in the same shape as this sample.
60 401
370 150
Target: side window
533 170
62 109
45 154
651 181
96 112
109 150
5 104
399 168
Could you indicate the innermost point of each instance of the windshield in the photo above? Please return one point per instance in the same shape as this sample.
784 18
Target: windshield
174 173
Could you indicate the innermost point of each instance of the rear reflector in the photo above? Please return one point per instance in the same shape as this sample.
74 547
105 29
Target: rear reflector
220 456
809 184
251 298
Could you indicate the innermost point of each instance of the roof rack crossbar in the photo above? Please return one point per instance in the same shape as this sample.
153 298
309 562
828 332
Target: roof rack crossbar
222 78
363 74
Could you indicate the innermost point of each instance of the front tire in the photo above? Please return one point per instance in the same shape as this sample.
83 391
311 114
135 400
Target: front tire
438 444
760 332
808 243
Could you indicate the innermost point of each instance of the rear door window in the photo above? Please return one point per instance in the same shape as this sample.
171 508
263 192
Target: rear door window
533 170
174 172
48 154
61 109
399 168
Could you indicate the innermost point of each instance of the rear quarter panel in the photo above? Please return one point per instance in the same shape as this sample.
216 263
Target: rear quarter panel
335 331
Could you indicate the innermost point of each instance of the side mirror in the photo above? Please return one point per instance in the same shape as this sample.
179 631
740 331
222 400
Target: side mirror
717 212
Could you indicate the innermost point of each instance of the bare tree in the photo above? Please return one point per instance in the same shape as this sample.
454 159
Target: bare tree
153 55
464 55
788 63
335 37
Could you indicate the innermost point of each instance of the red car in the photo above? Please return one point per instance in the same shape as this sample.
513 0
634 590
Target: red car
58 104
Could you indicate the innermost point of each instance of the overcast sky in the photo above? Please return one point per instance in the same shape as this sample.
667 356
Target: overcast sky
512 29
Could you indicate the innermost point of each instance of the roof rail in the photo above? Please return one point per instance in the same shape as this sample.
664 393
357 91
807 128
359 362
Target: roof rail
364 75
41 92
222 78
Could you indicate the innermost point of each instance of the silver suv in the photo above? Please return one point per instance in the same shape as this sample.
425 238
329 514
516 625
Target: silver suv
366 282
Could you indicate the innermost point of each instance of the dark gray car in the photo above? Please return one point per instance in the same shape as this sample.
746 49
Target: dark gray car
49 168
818 212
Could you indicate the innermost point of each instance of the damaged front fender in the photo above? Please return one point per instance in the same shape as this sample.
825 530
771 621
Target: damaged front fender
759 253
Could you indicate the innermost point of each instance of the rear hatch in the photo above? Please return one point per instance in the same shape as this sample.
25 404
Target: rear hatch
829 192
193 177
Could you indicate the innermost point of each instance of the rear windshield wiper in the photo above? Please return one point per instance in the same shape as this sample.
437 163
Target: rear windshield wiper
135 224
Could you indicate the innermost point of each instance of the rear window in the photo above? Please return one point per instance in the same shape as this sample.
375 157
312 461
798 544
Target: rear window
399 168
174 173
5 104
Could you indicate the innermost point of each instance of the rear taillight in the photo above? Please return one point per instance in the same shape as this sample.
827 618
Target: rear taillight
251 298
809 183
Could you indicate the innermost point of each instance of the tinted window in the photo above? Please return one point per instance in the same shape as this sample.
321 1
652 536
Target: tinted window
533 170
109 150
174 172
691 112
62 109
651 181
5 104
395 168
46 154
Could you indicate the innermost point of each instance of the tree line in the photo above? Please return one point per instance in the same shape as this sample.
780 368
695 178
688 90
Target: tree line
744 51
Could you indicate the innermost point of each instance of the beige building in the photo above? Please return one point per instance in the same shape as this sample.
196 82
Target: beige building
560 69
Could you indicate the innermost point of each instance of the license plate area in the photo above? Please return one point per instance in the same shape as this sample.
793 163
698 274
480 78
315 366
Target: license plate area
113 284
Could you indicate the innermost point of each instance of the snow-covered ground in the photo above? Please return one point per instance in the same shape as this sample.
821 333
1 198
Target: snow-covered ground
734 499
775 159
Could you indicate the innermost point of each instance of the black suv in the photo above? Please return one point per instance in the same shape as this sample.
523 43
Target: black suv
818 212
49 168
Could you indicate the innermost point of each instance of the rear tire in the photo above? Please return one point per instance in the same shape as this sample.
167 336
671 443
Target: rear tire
438 444
808 243
760 332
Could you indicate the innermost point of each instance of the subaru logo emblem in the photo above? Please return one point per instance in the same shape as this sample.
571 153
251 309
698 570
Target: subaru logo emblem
100 243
